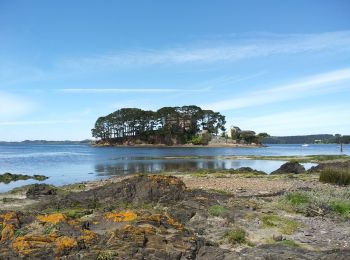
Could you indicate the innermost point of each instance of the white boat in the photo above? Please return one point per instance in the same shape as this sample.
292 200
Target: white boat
305 145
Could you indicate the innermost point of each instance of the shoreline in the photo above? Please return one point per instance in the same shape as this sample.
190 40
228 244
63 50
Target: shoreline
178 145
287 215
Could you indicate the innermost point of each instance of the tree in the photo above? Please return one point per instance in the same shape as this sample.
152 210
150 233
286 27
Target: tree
164 125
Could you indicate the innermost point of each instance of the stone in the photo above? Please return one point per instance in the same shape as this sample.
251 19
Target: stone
290 167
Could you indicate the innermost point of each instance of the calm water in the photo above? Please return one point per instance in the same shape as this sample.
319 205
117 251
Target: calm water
66 164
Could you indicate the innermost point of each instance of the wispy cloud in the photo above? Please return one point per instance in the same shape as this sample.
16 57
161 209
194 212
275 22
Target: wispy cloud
42 122
262 45
127 90
14 105
313 85
321 119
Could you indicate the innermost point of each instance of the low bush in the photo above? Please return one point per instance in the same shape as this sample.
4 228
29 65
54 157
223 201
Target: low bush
297 198
236 235
341 207
335 176
217 210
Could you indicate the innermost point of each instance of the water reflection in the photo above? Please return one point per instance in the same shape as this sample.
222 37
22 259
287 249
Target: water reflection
118 167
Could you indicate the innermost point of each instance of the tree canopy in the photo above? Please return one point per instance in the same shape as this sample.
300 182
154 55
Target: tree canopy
167 125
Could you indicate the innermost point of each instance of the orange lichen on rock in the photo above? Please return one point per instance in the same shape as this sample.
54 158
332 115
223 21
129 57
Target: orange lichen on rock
63 243
139 230
52 218
7 233
174 223
7 216
88 236
25 245
121 216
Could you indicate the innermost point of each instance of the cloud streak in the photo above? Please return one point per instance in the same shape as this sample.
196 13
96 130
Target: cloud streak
313 85
230 51
42 122
126 90
325 119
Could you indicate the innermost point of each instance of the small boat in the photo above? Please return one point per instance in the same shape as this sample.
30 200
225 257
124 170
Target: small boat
305 145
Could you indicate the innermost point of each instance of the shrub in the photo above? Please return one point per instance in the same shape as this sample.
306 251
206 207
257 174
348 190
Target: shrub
297 198
236 235
217 210
341 207
336 176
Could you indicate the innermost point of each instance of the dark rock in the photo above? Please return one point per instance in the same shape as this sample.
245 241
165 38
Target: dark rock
330 165
290 167
139 189
37 190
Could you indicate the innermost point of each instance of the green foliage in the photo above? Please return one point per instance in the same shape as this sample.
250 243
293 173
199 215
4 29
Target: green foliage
217 210
320 201
236 235
297 198
341 207
336 176
106 255
163 126
285 225
288 243
20 232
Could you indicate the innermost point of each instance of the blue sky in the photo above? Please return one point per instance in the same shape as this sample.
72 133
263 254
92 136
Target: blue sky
281 67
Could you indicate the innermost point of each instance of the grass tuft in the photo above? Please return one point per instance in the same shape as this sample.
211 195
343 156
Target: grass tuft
335 176
217 210
236 235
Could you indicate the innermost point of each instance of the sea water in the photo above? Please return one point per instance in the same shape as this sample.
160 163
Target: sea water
67 163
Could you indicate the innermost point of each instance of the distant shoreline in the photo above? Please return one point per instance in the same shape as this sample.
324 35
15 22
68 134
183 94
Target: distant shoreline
179 145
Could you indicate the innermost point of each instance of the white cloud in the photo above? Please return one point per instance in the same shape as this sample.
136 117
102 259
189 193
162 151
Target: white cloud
232 50
126 90
14 106
42 122
314 85
325 119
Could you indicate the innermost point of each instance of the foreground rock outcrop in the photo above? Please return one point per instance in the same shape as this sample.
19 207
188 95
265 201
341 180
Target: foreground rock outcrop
141 217
290 167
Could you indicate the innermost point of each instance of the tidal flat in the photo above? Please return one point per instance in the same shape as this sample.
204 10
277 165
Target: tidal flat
216 214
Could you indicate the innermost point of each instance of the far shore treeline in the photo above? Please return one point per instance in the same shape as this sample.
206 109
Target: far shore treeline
167 125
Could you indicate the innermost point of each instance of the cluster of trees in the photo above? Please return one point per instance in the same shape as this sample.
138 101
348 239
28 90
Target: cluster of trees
167 125
247 136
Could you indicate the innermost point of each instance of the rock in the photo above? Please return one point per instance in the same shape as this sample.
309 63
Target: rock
248 170
9 177
330 165
290 167
140 189
37 190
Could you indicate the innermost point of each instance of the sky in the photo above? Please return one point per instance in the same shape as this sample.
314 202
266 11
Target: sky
281 67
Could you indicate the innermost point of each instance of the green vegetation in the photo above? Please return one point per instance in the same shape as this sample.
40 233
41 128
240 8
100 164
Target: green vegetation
336 176
106 255
321 201
341 207
288 243
285 225
297 198
217 210
167 125
237 235
8 177
247 136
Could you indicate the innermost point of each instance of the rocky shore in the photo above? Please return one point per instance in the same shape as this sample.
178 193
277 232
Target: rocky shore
237 214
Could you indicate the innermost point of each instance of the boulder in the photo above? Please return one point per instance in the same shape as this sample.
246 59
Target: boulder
290 167
37 190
